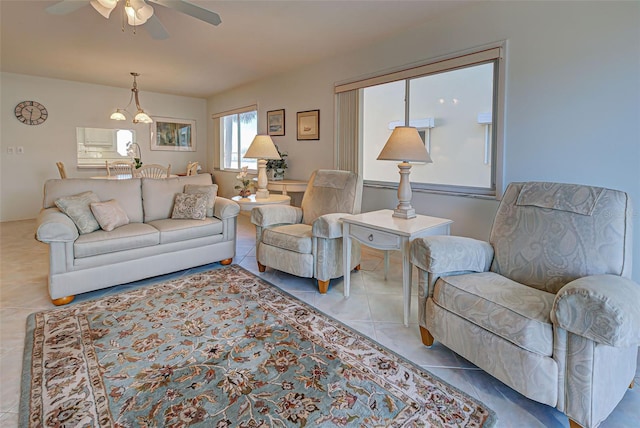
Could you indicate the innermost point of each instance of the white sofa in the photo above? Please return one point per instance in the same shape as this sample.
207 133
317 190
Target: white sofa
151 244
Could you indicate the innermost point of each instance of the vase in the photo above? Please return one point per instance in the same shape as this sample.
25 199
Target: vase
245 193
278 174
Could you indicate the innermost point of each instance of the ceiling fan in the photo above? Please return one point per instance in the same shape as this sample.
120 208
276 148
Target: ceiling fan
138 12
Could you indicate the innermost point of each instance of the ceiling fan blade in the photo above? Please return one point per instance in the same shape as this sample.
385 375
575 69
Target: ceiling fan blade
66 6
155 28
191 10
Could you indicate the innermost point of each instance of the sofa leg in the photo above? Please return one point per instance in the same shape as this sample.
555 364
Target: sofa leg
63 300
357 267
574 424
261 267
226 261
427 338
323 286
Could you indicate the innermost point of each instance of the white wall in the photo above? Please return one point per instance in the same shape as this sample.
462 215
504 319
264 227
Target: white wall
71 105
572 105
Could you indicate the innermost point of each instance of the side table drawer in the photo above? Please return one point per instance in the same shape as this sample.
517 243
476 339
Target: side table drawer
375 238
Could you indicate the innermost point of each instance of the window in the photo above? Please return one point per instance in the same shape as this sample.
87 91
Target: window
455 105
237 130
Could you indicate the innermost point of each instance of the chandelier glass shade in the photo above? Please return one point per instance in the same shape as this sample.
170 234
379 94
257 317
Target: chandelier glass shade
140 116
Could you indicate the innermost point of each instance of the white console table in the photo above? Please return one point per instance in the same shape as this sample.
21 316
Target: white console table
247 204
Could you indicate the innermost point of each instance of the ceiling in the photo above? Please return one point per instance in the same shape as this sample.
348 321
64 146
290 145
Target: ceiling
256 39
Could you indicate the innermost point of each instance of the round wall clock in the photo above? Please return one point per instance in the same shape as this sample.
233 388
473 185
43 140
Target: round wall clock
31 112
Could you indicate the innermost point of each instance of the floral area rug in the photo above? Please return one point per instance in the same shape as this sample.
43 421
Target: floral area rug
222 349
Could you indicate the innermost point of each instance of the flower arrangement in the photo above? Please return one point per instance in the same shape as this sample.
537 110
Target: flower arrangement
245 187
133 150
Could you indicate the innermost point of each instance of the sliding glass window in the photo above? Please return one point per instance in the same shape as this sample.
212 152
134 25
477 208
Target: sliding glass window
455 107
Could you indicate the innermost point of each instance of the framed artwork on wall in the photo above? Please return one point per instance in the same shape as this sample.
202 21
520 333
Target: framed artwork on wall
275 122
173 134
309 125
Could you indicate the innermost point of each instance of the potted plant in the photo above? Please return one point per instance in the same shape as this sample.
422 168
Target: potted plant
245 186
276 167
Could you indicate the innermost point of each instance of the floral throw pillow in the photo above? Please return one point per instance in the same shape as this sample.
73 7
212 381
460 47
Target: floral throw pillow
209 189
77 207
190 206
109 214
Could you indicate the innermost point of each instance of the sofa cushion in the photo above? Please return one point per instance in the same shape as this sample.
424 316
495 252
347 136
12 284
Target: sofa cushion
109 214
292 237
515 312
188 206
210 190
127 237
174 230
158 195
78 208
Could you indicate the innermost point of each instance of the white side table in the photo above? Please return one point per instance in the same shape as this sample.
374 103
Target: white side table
247 204
284 186
380 230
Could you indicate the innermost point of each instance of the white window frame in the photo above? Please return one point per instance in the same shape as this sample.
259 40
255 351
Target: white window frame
217 118
494 52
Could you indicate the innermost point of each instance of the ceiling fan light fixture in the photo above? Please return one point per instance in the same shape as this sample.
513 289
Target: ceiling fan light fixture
138 12
104 7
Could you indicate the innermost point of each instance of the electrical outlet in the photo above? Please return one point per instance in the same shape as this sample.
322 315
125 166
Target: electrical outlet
11 150
20 150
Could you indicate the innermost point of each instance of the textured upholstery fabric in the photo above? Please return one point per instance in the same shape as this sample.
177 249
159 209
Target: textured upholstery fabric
547 248
78 208
109 214
132 235
324 197
556 316
292 237
513 311
603 308
158 195
172 230
190 206
210 190
441 254
307 241
55 226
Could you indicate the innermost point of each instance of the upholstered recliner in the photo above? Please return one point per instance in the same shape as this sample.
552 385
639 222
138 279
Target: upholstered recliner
546 306
307 241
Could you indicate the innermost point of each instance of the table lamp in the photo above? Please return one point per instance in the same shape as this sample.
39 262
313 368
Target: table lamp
405 145
262 148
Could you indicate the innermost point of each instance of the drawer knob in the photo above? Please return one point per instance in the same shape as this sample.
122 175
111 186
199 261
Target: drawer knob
370 237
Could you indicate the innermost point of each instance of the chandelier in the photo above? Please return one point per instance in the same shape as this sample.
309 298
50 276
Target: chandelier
140 116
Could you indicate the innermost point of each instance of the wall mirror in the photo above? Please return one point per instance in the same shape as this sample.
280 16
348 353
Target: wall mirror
97 145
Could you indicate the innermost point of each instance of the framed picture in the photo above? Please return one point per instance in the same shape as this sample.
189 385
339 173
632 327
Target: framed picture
275 122
173 134
309 125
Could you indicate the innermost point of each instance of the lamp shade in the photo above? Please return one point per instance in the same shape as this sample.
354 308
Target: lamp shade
117 115
405 144
262 147
142 117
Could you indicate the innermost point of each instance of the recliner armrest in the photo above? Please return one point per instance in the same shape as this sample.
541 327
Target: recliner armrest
603 308
268 215
328 226
225 208
52 225
442 254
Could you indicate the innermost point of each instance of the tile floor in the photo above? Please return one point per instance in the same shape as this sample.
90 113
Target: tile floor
374 308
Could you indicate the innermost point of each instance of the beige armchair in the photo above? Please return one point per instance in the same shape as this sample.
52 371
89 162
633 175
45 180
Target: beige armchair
307 241
546 306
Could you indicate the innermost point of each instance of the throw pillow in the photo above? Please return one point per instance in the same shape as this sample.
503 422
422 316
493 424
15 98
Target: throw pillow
190 206
77 207
109 214
211 190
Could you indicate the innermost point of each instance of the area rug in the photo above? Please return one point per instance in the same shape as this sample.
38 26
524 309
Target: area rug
222 349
